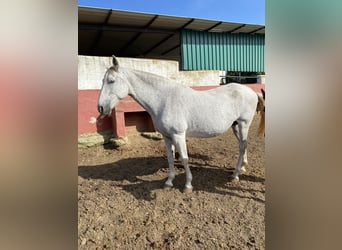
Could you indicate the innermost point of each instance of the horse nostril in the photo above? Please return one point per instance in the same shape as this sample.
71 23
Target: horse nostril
100 109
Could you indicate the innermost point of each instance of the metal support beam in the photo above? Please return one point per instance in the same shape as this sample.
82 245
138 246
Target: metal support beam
123 29
157 44
256 30
188 23
237 28
100 34
178 45
136 36
215 25
169 50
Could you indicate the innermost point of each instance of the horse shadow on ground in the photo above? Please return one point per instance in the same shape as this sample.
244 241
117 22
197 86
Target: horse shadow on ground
134 176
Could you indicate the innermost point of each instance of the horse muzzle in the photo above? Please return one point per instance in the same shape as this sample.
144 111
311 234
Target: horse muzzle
100 109
104 110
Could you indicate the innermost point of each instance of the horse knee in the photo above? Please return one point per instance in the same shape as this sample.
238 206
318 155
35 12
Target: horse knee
243 145
185 161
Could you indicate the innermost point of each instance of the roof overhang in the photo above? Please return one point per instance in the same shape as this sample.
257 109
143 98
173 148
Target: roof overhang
103 32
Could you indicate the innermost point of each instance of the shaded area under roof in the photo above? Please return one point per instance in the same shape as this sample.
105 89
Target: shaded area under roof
103 32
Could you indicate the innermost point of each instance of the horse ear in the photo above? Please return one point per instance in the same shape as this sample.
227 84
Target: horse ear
115 63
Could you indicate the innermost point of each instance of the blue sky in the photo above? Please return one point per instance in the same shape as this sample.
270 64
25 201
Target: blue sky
240 11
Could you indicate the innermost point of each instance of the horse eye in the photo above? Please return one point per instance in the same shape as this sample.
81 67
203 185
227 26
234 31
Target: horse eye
111 81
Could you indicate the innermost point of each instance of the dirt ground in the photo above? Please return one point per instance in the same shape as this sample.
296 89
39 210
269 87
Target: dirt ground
122 203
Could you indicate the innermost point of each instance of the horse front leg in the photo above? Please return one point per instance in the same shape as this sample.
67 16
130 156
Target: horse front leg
170 159
180 143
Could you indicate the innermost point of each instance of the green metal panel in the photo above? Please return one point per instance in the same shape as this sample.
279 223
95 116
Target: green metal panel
222 51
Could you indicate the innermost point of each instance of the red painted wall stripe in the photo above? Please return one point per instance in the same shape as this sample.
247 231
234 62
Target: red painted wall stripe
88 121
88 117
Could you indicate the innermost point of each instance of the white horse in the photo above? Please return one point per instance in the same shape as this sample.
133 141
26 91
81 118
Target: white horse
179 111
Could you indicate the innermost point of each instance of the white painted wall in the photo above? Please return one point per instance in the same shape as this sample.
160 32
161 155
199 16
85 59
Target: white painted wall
91 70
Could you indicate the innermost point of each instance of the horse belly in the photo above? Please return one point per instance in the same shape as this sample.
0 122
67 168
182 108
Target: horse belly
204 134
208 128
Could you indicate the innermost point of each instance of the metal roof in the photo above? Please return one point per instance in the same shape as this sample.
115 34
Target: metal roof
103 32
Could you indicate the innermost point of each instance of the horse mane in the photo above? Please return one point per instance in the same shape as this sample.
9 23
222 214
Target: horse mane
158 79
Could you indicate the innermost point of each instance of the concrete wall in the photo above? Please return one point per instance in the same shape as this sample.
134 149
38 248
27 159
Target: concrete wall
91 70
261 79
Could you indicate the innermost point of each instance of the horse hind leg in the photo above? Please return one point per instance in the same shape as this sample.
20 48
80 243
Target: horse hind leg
236 132
241 134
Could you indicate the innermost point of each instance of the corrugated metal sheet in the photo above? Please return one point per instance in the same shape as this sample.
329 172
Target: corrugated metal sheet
222 51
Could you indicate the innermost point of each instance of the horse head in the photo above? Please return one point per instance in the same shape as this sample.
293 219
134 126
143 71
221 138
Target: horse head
114 87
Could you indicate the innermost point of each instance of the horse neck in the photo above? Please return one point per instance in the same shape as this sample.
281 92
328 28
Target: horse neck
148 89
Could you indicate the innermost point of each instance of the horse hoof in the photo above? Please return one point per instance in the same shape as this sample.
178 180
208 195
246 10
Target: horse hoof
167 186
187 190
243 169
234 178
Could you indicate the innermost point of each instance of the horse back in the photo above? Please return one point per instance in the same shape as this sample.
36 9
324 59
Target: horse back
212 112
205 113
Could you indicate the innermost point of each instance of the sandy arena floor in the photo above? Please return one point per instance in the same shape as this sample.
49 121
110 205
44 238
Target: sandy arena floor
122 203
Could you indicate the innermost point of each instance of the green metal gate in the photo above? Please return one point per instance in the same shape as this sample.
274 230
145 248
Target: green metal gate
222 51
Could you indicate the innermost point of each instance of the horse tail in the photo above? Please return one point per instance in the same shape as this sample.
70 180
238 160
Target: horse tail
261 109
